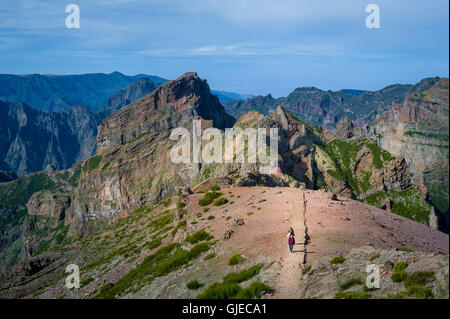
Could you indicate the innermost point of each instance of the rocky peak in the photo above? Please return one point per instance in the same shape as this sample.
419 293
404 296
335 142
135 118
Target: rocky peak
174 103
128 95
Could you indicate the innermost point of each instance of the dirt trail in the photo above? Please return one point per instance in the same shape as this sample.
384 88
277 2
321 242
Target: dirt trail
293 262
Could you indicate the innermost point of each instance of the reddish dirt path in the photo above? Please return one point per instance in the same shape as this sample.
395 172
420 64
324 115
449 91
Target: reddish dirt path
287 286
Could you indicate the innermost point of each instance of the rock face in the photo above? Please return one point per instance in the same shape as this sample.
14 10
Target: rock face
128 95
327 108
418 130
7 176
174 103
30 139
133 165
33 139
325 281
54 93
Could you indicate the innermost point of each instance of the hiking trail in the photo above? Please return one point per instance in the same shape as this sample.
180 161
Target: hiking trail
288 285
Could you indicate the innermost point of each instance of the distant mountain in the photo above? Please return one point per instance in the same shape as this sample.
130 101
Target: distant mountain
30 139
225 97
128 95
58 93
327 108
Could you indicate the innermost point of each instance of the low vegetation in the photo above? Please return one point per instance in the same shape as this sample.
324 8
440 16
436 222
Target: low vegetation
198 237
337 260
236 260
229 288
208 198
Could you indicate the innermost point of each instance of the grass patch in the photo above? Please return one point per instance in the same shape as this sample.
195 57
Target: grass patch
236 260
199 236
306 270
337 260
164 261
208 198
210 256
193 285
229 288
373 257
405 249
244 275
181 224
253 291
220 201
92 163
399 272
353 281
351 295
419 278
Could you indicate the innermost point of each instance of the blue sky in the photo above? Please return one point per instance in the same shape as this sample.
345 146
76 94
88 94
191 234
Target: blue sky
244 46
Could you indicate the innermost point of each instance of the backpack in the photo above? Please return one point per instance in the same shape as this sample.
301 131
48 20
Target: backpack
291 241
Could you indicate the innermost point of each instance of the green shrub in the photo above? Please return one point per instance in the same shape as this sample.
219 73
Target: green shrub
211 217
220 201
86 281
373 257
400 266
209 198
92 163
408 250
420 292
306 270
253 291
198 237
419 278
215 188
399 272
206 209
236 260
398 276
105 289
350 283
351 295
223 290
193 285
244 275
337 260
181 224
210 256
154 244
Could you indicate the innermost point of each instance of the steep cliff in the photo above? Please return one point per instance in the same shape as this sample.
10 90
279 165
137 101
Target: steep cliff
418 130
30 140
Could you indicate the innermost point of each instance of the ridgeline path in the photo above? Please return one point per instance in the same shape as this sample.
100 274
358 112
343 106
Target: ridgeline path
291 271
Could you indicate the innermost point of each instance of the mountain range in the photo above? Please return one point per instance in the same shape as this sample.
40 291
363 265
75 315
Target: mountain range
327 108
140 225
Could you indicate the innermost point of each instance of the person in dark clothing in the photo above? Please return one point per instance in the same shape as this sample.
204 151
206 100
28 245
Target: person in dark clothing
291 242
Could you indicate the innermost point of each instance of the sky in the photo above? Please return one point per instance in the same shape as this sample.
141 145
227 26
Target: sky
244 46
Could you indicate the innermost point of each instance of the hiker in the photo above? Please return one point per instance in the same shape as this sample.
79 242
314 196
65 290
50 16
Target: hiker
291 242
291 232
